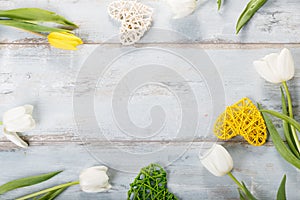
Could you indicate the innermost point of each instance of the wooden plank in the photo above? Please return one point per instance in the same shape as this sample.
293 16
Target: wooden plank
260 167
46 78
277 22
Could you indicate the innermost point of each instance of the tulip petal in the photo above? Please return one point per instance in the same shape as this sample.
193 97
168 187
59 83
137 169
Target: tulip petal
61 45
28 109
272 60
21 124
182 8
13 137
264 71
94 179
286 65
13 114
17 112
276 68
217 161
64 40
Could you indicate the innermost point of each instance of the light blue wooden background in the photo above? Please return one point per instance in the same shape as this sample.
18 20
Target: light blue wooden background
33 72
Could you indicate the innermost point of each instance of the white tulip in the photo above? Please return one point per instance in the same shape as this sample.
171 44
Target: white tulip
217 160
94 179
182 8
15 120
275 67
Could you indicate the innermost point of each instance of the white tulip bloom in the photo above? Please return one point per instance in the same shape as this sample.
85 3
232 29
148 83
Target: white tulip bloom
276 67
182 8
217 160
94 179
15 120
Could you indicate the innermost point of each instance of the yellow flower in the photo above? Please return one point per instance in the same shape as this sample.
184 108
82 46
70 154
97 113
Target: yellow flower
64 40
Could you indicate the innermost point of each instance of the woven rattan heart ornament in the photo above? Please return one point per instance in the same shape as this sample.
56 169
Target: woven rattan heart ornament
150 184
135 19
242 118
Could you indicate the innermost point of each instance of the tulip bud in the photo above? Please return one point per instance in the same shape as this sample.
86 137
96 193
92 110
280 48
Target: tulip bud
217 160
64 40
182 8
275 67
15 120
94 179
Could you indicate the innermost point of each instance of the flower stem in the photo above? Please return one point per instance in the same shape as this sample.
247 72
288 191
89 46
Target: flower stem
48 190
290 108
235 180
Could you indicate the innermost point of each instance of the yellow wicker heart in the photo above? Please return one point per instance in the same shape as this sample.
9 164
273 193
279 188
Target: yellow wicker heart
242 118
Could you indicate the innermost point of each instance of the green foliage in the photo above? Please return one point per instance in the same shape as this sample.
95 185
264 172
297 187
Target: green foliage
281 195
286 127
29 19
245 193
32 27
53 194
150 184
252 7
36 15
283 150
28 181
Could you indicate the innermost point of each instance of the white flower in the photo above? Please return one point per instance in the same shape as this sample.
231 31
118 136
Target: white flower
18 119
182 8
217 160
94 179
275 67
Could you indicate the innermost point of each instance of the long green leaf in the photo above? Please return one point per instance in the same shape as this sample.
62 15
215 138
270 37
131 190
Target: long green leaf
252 7
284 117
53 194
28 181
36 15
281 195
285 152
242 196
247 193
31 26
286 126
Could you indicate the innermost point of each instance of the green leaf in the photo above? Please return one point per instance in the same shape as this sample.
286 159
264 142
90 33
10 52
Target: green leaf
252 7
36 15
281 195
219 4
242 197
286 126
31 26
28 181
47 190
284 117
247 193
53 194
279 144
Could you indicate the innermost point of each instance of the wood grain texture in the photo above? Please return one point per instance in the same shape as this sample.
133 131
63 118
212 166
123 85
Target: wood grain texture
277 22
260 168
52 80
46 78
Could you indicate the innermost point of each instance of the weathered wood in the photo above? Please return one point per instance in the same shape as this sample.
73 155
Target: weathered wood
260 167
277 22
46 78
52 80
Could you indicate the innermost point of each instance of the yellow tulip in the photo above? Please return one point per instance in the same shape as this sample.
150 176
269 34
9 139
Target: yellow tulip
64 40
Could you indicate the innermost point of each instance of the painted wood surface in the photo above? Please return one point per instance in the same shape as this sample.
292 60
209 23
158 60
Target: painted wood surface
52 80
277 22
